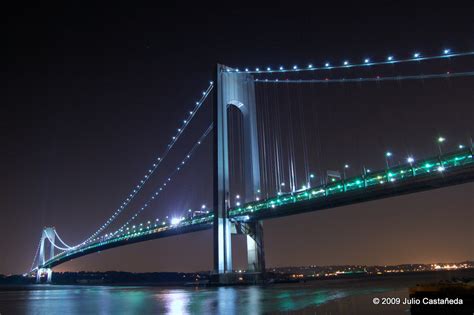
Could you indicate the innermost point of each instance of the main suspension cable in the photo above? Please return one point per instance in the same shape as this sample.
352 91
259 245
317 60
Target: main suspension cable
169 178
372 79
390 60
155 165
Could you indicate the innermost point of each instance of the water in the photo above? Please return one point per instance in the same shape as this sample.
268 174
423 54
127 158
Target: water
342 296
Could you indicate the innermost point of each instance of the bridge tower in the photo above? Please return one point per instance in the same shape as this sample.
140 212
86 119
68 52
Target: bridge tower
235 89
49 233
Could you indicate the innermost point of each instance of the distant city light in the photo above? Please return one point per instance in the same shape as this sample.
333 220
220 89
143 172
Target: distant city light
410 160
441 139
390 58
388 154
446 51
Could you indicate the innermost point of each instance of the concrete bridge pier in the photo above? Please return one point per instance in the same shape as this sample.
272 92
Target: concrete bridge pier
255 249
38 276
42 271
49 275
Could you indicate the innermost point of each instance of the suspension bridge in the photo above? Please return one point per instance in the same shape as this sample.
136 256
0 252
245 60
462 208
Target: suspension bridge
267 177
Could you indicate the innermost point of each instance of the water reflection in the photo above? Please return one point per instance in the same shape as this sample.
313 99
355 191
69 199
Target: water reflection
176 302
152 300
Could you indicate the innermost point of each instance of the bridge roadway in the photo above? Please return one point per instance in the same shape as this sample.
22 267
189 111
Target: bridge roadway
436 172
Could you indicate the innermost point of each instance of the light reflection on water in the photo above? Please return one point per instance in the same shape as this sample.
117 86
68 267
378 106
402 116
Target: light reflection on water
332 296
63 300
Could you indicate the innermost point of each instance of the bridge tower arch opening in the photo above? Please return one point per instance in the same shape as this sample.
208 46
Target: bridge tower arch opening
235 89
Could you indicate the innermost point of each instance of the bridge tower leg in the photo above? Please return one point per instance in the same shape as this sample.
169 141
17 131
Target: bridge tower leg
49 234
234 89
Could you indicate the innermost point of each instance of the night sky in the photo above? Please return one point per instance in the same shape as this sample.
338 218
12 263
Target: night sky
93 94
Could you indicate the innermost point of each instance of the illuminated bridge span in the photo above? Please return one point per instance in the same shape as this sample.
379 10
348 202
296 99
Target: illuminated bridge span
436 172
263 196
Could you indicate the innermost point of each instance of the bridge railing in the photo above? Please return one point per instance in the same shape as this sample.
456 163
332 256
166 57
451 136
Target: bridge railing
433 166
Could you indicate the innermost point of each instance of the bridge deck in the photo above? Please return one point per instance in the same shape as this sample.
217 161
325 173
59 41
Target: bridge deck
441 171
449 169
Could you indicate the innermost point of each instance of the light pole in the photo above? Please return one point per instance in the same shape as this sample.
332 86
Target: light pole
281 188
410 160
440 142
388 154
346 166
311 176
